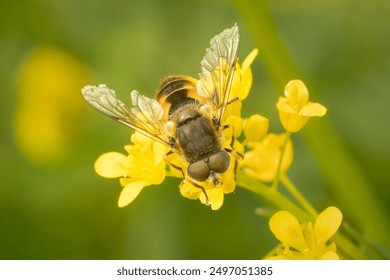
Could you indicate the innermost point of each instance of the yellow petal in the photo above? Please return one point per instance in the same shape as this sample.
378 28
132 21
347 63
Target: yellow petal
327 223
239 148
234 108
111 165
256 128
261 161
249 60
246 74
296 93
130 192
285 107
292 122
279 257
313 110
227 178
158 174
329 255
332 247
175 160
287 229
159 151
246 83
140 139
189 191
215 198
235 125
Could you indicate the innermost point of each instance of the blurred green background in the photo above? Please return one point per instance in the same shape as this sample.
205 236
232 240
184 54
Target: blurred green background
54 206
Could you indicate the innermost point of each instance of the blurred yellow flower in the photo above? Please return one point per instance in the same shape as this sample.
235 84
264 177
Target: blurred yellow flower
262 158
144 166
295 109
306 241
48 106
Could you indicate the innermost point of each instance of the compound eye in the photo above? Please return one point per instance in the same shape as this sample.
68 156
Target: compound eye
219 162
199 171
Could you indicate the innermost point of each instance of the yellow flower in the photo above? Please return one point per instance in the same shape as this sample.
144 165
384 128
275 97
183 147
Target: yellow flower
295 109
306 241
261 161
144 166
46 125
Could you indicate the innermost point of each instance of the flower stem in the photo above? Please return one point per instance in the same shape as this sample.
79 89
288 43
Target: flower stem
279 167
272 252
271 195
290 186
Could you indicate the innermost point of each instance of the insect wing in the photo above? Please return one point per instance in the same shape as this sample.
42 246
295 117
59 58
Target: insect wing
144 115
218 66
147 112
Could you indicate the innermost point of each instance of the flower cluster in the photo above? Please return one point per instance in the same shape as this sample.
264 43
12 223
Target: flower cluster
259 154
270 155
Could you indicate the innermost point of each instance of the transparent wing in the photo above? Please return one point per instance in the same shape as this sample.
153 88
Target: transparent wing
144 115
218 66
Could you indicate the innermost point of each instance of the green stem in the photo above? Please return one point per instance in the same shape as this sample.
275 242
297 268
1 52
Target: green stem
275 185
271 195
272 252
290 186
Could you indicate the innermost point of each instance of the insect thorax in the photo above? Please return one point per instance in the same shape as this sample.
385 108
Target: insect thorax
196 135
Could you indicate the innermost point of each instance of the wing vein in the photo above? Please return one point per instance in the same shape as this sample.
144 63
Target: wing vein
217 70
143 116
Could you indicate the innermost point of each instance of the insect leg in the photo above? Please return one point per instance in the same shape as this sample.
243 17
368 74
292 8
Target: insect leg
235 169
169 153
231 101
228 103
178 168
232 150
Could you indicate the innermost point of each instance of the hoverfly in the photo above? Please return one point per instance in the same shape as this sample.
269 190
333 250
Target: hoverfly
187 114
